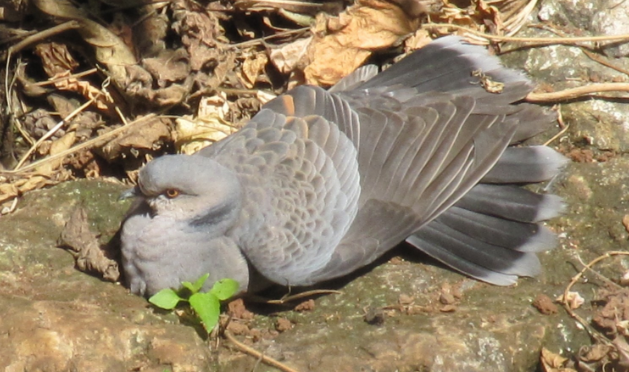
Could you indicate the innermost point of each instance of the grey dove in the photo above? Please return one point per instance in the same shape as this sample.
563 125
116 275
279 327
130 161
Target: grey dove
320 183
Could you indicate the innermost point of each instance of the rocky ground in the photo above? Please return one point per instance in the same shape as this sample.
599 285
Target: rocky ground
404 313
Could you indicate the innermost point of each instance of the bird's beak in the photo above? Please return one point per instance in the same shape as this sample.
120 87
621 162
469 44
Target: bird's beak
131 193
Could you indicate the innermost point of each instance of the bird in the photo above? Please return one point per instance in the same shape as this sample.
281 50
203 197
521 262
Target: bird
320 183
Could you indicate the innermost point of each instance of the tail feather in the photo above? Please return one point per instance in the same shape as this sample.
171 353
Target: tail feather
493 232
526 165
487 262
501 232
511 202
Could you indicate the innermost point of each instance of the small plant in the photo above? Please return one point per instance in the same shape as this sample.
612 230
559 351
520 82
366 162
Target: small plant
207 305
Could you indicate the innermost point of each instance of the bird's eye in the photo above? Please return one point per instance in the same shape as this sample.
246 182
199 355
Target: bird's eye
172 193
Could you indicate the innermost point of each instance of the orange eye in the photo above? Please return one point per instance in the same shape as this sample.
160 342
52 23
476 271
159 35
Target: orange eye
172 193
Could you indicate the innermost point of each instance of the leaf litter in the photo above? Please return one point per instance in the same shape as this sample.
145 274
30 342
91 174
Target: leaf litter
99 88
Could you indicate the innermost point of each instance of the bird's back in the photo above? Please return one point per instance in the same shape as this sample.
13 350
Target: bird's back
390 156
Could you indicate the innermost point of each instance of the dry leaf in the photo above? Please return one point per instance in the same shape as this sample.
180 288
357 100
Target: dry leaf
56 58
208 127
8 191
83 245
552 362
199 32
148 136
545 305
342 44
252 68
109 49
420 39
169 66
574 300
289 56
22 185
57 146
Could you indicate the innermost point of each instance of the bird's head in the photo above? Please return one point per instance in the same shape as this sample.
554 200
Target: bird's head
178 229
194 189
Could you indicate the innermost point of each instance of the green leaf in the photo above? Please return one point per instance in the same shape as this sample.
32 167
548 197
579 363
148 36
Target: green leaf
166 299
207 307
225 288
197 285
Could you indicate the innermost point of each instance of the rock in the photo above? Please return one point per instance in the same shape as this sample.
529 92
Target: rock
55 318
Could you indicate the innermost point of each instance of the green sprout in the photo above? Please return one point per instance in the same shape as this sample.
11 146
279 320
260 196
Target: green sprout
207 305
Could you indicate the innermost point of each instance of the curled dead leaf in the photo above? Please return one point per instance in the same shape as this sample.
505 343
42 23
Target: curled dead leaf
253 68
553 362
573 300
83 245
290 56
343 43
109 49
209 126
150 136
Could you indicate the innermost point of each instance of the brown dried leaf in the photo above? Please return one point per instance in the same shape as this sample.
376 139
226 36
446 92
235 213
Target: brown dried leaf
303 7
199 31
574 300
342 44
169 66
148 136
545 305
290 56
420 39
109 49
594 353
85 89
21 185
209 126
552 362
253 68
8 191
58 63
83 245
169 96
614 316
150 34
57 146
416 8
56 58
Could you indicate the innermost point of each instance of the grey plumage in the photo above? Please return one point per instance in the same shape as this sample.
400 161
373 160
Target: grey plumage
320 183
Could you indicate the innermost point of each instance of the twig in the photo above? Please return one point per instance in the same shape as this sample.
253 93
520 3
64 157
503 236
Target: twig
563 126
599 275
64 78
591 55
256 354
599 59
572 93
263 39
82 146
70 25
594 333
535 40
290 298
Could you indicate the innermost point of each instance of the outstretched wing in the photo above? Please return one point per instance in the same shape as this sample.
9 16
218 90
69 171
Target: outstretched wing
421 151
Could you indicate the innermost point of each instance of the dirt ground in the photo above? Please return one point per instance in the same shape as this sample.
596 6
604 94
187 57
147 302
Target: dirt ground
92 90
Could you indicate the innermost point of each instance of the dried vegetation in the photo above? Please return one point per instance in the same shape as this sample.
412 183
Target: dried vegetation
96 89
